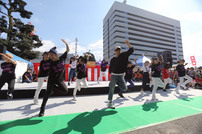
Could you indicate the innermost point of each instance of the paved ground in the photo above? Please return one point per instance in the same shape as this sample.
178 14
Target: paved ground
65 106
24 108
186 125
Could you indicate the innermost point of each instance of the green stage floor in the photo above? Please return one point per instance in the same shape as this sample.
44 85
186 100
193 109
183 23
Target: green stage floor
106 121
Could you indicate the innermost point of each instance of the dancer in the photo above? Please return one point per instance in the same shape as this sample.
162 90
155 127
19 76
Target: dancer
166 77
81 75
43 75
146 76
117 68
156 73
128 76
8 73
56 75
182 75
72 72
103 70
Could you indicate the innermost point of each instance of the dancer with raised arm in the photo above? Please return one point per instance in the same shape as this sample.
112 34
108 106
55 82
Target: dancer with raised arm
156 69
118 65
8 73
43 75
182 75
56 75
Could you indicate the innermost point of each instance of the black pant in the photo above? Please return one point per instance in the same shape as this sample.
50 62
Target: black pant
145 80
51 87
11 83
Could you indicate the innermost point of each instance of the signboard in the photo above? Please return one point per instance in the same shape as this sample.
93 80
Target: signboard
193 60
91 64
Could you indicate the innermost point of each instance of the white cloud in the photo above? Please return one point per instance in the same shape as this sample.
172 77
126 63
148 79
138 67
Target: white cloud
47 45
192 16
192 46
95 48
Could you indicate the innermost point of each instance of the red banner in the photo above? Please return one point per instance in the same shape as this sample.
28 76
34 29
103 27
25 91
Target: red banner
193 60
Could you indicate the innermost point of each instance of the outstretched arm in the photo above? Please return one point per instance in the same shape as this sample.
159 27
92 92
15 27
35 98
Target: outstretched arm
135 62
7 58
67 46
162 60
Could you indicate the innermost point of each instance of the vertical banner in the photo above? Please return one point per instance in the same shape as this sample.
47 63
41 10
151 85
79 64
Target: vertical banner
193 60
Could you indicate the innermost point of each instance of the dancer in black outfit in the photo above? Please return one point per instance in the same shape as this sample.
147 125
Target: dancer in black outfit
56 75
8 74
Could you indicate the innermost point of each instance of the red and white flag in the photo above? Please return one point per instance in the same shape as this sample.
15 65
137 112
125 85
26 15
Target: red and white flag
193 60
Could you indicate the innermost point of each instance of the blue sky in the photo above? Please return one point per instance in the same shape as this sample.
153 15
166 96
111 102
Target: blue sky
83 19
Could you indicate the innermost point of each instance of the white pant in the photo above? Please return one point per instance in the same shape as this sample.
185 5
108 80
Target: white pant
182 83
166 81
40 84
78 86
157 82
102 74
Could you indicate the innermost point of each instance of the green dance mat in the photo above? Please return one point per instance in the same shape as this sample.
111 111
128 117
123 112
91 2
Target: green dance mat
105 121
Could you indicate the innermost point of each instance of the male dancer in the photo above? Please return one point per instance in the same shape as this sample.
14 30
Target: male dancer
117 68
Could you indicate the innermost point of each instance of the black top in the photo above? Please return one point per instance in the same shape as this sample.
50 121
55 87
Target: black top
81 71
156 70
28 74
104 66
181 70
129 72
8 70
57 70
44 68
118 65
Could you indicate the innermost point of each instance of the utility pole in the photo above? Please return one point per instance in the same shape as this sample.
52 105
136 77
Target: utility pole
76 46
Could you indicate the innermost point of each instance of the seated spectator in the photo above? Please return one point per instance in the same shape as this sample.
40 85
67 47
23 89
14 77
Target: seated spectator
27 76
34 77
192 73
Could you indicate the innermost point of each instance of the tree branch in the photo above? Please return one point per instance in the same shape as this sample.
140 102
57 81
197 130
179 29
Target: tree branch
4 5
3 13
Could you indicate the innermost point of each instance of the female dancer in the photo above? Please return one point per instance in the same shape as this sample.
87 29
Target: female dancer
81 75
146 76
43 75
103 70
182 75
56 75
156 73
128 76
8 74
72 72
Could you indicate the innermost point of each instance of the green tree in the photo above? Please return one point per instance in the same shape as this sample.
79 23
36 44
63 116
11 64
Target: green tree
20 39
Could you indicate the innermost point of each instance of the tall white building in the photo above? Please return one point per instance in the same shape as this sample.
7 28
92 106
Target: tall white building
148 33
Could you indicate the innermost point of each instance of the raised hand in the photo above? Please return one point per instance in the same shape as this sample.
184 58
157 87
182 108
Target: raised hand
64 41
127 42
